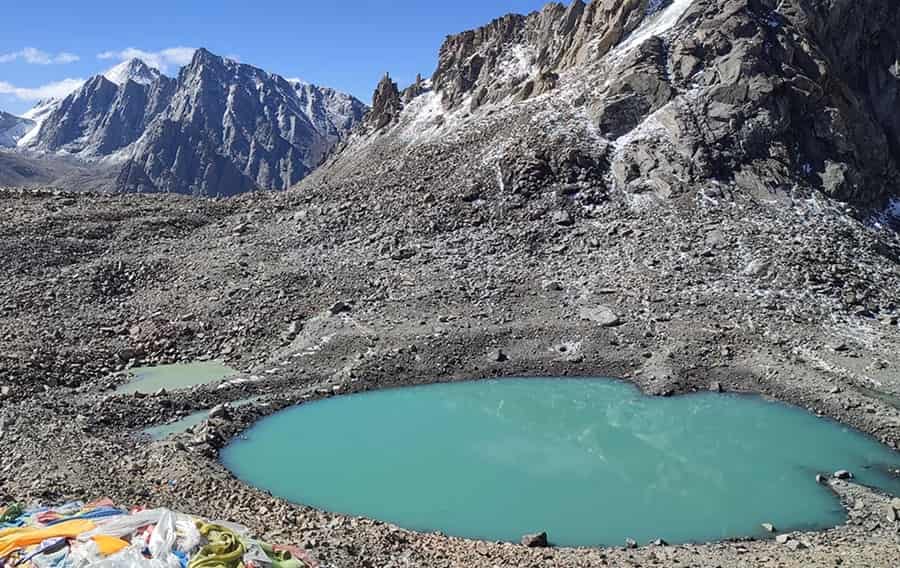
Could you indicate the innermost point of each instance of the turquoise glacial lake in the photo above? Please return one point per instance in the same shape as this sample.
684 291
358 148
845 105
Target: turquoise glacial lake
590 461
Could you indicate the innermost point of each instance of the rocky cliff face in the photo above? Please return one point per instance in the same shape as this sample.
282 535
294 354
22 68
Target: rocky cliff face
333 113
667 96
221 128
519 56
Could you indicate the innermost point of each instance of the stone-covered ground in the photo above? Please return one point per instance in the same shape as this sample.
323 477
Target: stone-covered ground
313 295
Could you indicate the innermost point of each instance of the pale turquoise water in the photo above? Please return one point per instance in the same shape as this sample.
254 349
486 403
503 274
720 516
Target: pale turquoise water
165 430
177 427
592 462
149 380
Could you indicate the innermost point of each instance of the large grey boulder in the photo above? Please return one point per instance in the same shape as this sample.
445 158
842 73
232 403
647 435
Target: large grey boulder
536 540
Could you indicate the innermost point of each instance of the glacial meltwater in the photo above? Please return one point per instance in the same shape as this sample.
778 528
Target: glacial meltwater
592 462
163 431
174 377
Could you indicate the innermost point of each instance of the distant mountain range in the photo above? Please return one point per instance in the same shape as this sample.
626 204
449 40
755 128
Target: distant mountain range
220 128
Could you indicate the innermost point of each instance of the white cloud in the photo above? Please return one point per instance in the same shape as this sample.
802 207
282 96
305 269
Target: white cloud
55 90
162 59
37 57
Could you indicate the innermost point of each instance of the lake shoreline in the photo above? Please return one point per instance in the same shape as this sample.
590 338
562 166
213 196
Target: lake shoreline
183 470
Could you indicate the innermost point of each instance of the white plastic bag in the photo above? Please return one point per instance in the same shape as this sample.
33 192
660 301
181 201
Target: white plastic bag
171 531
83 554
124 525
163 537
256 555
188 534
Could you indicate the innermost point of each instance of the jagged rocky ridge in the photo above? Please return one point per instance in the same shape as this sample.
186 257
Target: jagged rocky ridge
671 96
221 128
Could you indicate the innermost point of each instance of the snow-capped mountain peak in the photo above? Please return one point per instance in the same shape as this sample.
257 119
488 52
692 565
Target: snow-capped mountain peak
132 70
220 128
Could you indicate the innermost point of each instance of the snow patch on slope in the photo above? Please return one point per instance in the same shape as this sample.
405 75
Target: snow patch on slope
657 24
648 129
423 117
132 70
517 66
38 114
12 128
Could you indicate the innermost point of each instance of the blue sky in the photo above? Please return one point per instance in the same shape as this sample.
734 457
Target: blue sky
48 46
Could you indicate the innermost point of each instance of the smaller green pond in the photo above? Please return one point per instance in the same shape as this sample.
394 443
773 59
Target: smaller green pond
149 380
592 462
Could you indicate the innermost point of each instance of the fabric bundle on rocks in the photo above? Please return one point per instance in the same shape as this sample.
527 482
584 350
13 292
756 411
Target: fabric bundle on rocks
101 535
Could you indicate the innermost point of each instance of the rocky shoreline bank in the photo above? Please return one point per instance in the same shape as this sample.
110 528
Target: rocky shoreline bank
107 454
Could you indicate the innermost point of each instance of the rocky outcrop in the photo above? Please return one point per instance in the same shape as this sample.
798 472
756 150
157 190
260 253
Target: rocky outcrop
767 97
522 56
417 88
386 104
476 62
640 88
